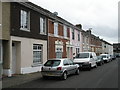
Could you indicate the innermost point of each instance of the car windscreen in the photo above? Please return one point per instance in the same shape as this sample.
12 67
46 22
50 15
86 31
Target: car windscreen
52 63
104 56
82 55
99 57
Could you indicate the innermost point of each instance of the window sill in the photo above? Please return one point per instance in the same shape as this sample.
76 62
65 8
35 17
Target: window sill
66 37
25 29
43 33
37 64
56 35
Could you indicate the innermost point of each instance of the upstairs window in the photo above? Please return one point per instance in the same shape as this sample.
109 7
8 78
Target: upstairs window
78 36
65 31
25 20
42 25
56 29
73 34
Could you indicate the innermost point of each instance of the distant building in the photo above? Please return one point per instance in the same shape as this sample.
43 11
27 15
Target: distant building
116 49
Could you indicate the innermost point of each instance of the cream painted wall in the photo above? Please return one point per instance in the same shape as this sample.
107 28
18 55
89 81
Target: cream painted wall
27 50
6 20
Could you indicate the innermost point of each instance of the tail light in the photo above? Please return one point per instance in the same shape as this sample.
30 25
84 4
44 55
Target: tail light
59 68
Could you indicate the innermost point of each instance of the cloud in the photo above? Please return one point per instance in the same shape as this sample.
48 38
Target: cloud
101 15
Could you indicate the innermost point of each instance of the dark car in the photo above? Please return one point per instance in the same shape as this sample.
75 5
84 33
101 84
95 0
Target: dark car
99 60
113 57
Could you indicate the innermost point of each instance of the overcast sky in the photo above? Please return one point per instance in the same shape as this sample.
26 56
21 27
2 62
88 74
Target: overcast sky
100 15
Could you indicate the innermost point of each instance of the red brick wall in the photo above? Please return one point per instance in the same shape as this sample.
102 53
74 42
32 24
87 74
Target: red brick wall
51 48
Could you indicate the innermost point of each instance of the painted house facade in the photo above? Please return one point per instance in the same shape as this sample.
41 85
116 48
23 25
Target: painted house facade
26 49
1 46
116 49
76 39
107 48
4 33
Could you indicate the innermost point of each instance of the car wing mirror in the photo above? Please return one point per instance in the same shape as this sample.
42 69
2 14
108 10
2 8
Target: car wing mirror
91 56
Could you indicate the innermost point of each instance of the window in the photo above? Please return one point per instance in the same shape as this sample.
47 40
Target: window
78 37
25 20
37 53
65 62
77 50
42 25
82 55
70 62
65 31
56 29
59 53
52 63
73 36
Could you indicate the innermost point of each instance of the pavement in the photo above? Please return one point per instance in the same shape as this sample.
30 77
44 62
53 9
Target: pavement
19 79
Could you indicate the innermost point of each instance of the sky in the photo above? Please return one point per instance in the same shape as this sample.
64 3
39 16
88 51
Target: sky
100 15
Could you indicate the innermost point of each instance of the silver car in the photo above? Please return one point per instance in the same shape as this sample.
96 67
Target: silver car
59 68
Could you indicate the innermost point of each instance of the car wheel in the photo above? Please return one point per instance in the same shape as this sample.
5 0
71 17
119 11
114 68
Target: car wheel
96 66
77 72
45 77
89 68
64 76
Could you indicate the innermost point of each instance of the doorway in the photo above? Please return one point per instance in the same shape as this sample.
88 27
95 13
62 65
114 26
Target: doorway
14 57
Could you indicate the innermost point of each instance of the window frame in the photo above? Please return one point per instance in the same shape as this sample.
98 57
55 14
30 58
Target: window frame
66 63
73 34
27 20
65 31
78 36
41 54
56 28
43 25
59 53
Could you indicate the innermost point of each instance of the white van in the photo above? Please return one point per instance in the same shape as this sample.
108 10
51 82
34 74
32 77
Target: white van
86 59
106 57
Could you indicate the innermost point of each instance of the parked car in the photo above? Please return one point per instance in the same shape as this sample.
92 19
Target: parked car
86 59
113 57
99 60
59 68
105 57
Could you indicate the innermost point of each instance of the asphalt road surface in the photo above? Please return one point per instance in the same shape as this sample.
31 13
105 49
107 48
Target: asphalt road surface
105 76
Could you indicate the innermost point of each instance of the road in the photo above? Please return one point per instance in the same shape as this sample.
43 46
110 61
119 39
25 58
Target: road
105 76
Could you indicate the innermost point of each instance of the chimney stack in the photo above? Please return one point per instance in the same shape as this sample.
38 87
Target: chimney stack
79 26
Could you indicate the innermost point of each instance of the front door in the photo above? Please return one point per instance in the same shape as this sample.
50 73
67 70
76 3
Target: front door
13 58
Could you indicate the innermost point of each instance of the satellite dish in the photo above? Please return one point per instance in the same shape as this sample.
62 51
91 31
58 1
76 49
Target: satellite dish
55 13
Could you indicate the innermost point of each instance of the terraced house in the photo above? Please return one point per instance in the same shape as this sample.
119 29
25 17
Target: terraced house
59 45
24 38
76 39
